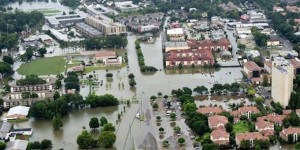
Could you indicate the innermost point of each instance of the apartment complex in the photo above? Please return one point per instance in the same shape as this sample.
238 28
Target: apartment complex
88 30
17 93
282 80
60 21
106 26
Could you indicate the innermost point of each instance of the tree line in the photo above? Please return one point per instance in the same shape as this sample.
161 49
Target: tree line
61 105
113 41
141 59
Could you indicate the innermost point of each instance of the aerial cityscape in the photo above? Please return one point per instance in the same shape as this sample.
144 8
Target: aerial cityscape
150 74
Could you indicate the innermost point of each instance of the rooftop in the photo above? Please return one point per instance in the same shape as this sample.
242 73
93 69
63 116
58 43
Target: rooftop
208 110
175 31
216 119
248 136
252 66
88 28
246 109
18 110
17 145
176 44
295 62
106 54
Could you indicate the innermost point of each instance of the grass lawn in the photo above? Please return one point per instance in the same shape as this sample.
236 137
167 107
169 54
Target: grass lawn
43 66
241 127
23 137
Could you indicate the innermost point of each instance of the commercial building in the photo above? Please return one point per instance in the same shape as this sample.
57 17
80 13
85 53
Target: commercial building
126 6
17 145
18 112
87 30
60 21
189 57
107 27
108 58
251 69
282 80
176 46
176 34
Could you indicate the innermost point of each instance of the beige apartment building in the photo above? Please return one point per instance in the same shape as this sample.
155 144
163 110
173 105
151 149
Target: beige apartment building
282 80
107 27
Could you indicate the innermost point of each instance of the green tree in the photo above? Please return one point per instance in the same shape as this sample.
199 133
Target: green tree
103 121
294 119
107 139
94 123
85 140
57 122
161 129
201 89
265 82
173 116
181 140
210 146
109 127
189 108
297 146
42 51
46 143
8 59
131 76
5 68
155 106
35 145
229 127
257 147
2 146
153 97
132 82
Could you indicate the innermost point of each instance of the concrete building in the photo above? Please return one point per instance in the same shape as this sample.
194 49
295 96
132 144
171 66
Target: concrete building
251 69
106 26
282 80
175 34
18 112
60 21
126 6
87 30
17 145
176 46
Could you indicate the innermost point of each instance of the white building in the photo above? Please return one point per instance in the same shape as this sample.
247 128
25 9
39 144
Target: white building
175 34
282 80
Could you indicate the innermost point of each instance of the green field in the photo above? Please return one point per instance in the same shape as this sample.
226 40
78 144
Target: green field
43 66
241 127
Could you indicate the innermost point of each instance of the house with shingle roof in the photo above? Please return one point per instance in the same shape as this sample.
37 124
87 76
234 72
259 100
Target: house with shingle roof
217 121
210 111
294 131
248 111
251 137
220 137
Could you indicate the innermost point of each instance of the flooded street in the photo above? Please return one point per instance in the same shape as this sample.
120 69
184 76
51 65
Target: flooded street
130 131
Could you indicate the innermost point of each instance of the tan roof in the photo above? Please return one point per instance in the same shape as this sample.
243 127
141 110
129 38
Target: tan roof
261 125
275 118
106 54
251 135
268 63
246 109
291 130
295 63
287 112
219 133
215 120
208 110
252 66
235 113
